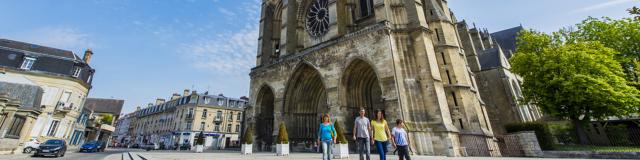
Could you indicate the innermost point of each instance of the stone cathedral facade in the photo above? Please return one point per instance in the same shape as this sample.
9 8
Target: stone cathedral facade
404 57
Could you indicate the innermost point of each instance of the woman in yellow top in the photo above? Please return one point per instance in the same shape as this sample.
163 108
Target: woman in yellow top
381 134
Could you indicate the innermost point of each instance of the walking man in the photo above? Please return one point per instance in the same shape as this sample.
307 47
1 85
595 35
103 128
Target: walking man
362 134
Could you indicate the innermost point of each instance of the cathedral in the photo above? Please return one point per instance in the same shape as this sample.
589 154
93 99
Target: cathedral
404 57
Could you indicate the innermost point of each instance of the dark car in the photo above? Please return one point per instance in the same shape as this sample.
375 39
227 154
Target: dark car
52 147
93 146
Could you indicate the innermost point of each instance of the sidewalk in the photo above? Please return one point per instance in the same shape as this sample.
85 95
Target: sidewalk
155 155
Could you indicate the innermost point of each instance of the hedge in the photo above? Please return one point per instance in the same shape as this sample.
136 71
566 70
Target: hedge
545 139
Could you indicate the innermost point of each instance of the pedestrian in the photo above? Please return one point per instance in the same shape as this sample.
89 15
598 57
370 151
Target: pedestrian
380 134
326 136
362 134
400 140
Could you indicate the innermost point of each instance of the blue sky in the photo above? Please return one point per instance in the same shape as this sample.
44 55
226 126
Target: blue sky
146 49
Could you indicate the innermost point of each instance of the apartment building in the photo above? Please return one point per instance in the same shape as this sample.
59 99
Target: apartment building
182 118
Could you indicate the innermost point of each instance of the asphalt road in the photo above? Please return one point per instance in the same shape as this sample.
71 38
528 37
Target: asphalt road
71 155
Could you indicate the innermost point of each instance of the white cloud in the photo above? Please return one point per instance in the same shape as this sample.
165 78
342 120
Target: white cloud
225 54
66 38
226 12
604 4
228 53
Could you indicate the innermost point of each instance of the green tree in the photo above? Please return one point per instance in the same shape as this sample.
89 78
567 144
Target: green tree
106 119
283 136
622 35
200 138
635 11
248 136
572 79
340 131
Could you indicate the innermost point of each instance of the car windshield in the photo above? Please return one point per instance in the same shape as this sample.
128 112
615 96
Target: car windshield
92 142
54 142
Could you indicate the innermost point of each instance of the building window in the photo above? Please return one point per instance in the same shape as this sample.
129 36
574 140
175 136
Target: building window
230 117
237 128
202 126
28 63
239 117
366 8
52 128
76 71
16 127
204 113
216 127
188 126
207 100
219 115
190 113
228 128
220 102
455 99
448 76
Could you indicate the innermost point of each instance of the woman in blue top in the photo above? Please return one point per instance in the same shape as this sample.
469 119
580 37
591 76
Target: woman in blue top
326 136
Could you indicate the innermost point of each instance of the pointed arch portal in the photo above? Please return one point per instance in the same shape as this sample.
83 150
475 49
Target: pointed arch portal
305 102
362 90
265 118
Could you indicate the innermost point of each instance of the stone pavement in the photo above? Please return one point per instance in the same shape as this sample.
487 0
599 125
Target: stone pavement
173 155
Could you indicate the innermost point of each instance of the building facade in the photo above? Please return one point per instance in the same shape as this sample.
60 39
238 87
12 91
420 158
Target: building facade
19 108
102 115
404 58
64 78
122 136
499 87
182 118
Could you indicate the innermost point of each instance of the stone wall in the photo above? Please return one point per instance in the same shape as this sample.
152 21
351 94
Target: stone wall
520 144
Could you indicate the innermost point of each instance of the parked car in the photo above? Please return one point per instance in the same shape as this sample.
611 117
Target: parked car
93 146
52 147
31 145
151 146
135 145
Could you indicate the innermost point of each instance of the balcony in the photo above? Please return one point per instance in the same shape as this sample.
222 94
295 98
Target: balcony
64 107
218 119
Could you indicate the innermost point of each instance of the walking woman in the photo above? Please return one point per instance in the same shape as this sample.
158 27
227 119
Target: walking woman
326 136
381 134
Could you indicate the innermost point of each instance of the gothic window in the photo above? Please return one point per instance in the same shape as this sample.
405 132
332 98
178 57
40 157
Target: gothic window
366 8
318 18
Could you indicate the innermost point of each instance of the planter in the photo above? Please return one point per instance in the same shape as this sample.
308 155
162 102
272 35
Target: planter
199 148
246 149
340 151
282 149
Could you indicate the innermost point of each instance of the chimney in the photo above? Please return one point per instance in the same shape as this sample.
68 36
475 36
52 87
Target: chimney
138 108
87 55
159 101
194 92
150 104
186 92
175 96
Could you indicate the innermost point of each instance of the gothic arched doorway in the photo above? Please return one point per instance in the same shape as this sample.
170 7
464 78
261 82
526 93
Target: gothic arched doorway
362 90
305 102
264 122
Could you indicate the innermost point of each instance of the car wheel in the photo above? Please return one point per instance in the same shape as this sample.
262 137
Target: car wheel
27 150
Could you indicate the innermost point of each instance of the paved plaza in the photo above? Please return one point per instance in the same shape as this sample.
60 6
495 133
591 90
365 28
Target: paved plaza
229 155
